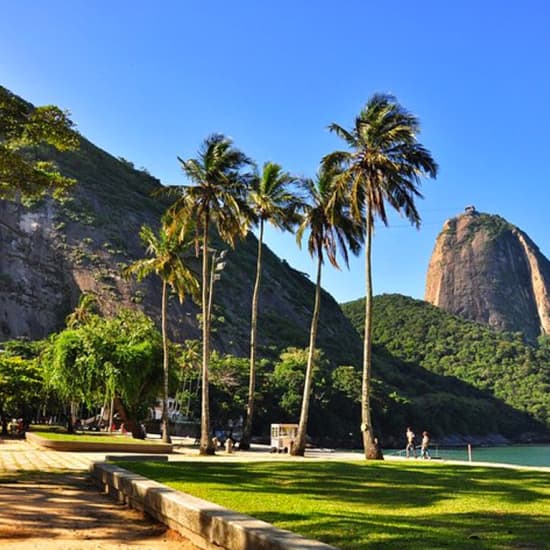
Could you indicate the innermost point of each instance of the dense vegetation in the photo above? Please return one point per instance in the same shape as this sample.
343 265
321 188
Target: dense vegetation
497 363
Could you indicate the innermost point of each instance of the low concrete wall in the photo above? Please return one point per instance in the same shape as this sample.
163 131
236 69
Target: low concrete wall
99 446
207 525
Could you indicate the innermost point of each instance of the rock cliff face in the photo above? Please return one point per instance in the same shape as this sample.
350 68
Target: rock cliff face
487 270
51 252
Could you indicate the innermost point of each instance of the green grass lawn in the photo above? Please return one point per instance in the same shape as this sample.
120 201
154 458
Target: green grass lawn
98 437
357 505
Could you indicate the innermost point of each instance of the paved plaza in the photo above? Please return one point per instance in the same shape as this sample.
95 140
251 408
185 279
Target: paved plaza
48 502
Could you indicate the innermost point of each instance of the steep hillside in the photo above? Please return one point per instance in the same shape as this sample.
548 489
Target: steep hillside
498 364
487 270
51 252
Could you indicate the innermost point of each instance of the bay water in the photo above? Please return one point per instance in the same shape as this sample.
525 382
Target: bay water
523 455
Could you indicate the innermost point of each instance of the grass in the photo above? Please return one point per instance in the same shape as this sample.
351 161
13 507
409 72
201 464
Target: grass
357 505
91 438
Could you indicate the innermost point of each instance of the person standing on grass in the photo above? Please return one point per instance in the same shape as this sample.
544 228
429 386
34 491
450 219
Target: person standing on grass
424 446
411 445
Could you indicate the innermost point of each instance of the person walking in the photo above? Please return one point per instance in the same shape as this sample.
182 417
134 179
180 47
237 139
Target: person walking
411 444
424 446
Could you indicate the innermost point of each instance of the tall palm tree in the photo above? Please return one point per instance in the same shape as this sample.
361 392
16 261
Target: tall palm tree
270 200
384 163
217 196
331 229
165 260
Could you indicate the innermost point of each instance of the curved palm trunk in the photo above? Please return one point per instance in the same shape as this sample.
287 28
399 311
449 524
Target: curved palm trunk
299 447
206 446
165 426
372 451
247 431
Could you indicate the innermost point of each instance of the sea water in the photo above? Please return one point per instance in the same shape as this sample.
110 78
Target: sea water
524 455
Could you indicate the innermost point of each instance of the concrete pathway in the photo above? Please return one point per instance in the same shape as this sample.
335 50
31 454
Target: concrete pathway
48 502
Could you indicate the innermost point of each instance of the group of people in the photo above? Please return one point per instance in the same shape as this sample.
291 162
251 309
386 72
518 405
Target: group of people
411 444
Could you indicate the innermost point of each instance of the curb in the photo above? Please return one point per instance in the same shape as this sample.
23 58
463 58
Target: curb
205 524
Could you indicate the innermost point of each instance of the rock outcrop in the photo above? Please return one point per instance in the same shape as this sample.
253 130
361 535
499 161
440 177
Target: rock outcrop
487 270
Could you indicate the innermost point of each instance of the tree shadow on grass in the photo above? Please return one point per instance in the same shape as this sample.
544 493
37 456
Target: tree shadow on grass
355 531
356 505
387 485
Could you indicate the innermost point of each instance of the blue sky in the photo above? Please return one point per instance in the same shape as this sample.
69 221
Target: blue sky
149 80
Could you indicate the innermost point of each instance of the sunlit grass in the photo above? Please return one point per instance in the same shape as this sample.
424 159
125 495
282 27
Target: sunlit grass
91 438
356 505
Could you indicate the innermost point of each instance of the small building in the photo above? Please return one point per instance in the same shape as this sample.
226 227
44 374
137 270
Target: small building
470 210
283 437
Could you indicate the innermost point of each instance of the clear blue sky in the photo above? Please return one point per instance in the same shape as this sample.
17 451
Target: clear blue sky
149 80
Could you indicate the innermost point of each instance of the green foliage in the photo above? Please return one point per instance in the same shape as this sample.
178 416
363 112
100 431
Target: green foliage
23 127
122 355
21 384
289 375
228 377
164 257
498 363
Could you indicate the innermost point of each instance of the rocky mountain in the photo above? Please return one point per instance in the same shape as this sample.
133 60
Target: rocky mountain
487 270
53 251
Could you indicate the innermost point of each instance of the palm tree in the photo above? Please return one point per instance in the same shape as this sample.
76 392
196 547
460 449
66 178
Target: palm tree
331 228
87 307
270 200
217 196
384 163
165 260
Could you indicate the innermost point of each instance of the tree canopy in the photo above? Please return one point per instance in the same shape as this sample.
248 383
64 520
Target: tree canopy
22 129
497 362
119 357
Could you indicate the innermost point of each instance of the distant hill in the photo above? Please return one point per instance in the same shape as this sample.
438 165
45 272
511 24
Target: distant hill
464 354
487 270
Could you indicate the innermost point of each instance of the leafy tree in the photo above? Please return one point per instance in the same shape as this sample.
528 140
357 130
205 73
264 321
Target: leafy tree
228 377
120 355
331 228
73 368
165 260
288 378
383 165
21 385
22 127
216 196
272 201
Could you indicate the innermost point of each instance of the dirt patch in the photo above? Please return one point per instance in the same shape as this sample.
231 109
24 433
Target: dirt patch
67 511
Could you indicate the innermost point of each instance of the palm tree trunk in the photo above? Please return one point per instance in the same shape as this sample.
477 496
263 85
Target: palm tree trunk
165 426
206 446
370 446
247 431
299 447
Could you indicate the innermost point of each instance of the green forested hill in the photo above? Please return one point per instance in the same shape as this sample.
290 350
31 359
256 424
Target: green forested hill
499 364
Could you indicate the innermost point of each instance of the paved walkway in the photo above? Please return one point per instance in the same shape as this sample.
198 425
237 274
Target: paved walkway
17 455
48 502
